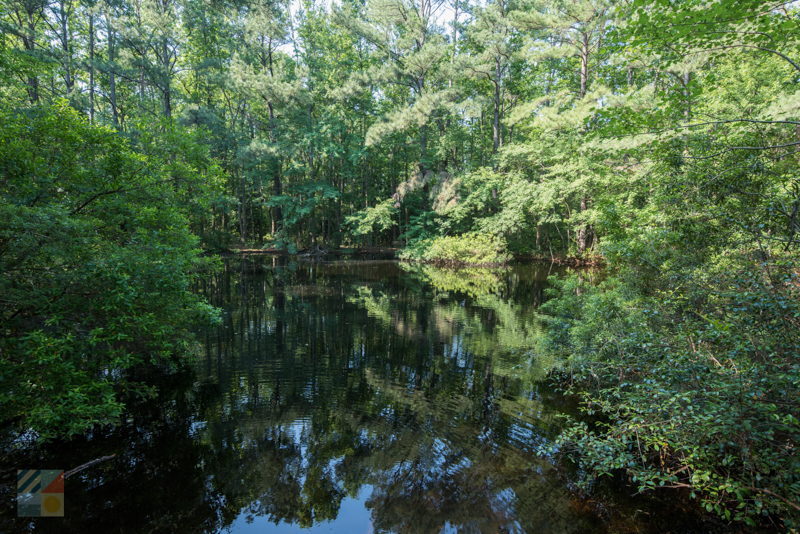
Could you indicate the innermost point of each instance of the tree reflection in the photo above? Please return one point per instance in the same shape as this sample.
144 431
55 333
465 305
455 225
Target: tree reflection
327 380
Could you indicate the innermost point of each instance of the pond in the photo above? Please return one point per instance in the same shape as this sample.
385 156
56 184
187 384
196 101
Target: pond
347 397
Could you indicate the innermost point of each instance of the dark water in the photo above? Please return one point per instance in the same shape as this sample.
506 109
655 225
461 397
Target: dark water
346 397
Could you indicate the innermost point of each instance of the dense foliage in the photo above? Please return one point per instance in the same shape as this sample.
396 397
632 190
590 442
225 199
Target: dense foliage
662 137
471 248
686 357
96 259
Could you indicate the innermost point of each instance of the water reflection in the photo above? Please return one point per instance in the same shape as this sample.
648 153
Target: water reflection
341 397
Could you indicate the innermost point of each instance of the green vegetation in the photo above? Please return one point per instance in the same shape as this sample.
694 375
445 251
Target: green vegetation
700 399
660 137
466 249
97 263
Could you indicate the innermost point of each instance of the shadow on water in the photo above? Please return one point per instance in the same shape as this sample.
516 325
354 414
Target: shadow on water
345 396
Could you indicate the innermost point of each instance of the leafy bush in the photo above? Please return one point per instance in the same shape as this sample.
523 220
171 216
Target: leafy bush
96 263
467 249
378 218
705 402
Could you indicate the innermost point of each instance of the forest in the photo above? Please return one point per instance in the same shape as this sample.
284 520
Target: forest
655 141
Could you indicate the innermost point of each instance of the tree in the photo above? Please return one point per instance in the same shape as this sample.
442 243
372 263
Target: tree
493 34
97 264
414 61
265 76
25 20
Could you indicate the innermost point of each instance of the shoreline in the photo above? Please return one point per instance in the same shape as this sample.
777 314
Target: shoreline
568 261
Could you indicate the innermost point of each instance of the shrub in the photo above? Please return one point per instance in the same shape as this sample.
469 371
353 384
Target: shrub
96 268
467 249
705 401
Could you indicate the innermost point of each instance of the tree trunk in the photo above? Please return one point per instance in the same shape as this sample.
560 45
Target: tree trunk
167 101
277 186
91 67
69 82
538 237
167 80
112 80
687 112
29 42
423 149
584 65
496 135
585 234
